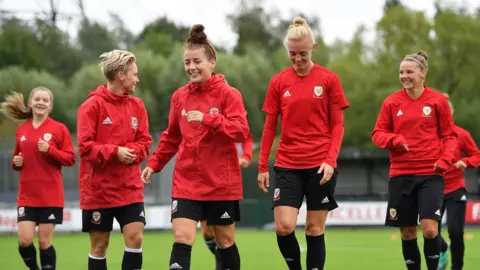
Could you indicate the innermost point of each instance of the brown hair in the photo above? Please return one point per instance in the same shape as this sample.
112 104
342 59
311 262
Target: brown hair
14 105
420 57
198 39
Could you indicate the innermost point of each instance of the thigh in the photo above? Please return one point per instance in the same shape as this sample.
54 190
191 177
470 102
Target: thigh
320 197
222 212
402 202
456 206
189 209
130 213
430 197
98 220
25 213
50 215
289 187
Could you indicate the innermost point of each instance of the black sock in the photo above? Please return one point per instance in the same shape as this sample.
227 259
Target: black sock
316 252
457 247
48 258
431 250
29 256
218 260
411 254
444 245
180 257
290 250
132 259
211 244
95 263
230 257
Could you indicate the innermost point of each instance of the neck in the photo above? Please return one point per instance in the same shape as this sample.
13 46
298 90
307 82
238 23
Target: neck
415 92
115 89
39 119
306 70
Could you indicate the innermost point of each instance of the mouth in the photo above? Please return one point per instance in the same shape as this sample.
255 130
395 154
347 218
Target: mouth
40 107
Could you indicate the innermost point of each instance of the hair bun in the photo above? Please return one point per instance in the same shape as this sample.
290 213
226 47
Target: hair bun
299 21
197 35
423 54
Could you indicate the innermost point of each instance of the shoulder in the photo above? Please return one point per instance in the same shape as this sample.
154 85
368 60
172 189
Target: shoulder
180 94
395 97
436 95
137 101
283 75
325 72
90 103
461 132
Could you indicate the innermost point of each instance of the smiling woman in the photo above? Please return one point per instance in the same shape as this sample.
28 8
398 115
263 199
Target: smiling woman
45 142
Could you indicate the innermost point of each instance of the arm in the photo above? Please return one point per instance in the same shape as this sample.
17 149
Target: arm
98 154
234 123
446 131
16 151
143 140
66 154
472 160
269 132
247 148
338 103
169 141
382 135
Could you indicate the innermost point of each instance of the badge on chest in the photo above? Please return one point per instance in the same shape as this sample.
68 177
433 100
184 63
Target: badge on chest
47 137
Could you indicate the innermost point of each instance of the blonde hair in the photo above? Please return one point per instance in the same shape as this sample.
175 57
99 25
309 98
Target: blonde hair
114 62
299 29
420 57
14 105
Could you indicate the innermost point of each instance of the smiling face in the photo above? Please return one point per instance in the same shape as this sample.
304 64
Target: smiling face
300 52
129 79
412 75
41 103
197 65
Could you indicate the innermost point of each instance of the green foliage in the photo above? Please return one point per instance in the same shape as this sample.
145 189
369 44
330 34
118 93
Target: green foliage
34 54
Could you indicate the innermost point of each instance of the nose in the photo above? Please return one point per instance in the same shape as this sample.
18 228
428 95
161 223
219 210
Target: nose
298 58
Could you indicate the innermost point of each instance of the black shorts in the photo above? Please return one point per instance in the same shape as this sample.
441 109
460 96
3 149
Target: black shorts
214 212
413 198
291 185
455 203
101 220
40 215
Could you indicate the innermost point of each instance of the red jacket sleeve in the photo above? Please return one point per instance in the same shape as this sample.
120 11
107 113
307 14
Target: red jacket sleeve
143 140
338 103
247 148
16 151
471 150
98 154
169 140
268 136
66 154
382 135
233 122
446 130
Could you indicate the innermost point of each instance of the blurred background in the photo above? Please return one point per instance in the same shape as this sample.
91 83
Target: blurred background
56 44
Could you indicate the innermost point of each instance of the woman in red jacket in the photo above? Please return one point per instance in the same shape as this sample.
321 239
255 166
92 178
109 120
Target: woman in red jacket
42 147
310 101
207 118
113 138
467 155
414 123
208 231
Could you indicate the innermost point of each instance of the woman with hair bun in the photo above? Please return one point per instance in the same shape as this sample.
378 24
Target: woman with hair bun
207 118
416 125
310 101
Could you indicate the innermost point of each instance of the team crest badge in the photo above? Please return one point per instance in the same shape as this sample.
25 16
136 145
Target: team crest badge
174 206
47 137
184 113
318 91
96 217
276 194
426 110
213 110
134 122
21 211
393 214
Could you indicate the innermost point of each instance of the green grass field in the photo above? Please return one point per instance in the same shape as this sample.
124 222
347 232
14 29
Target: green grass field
378 249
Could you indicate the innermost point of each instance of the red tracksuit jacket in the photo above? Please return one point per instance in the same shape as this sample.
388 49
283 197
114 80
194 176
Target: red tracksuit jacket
424 124
41 183
247 148
207 166
454 178
105 122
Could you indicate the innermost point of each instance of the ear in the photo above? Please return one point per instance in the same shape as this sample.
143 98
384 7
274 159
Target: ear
121 75
315 46
213 62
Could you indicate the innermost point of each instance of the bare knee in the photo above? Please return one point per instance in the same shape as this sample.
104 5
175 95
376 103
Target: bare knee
207 231
225 236
99 245
134 240
25 240
183 236
312 229
283 228
409 233
429 228
44 241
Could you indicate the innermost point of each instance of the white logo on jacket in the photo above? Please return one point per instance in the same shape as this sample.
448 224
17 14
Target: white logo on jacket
134 122
47 137
426 110
318 91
